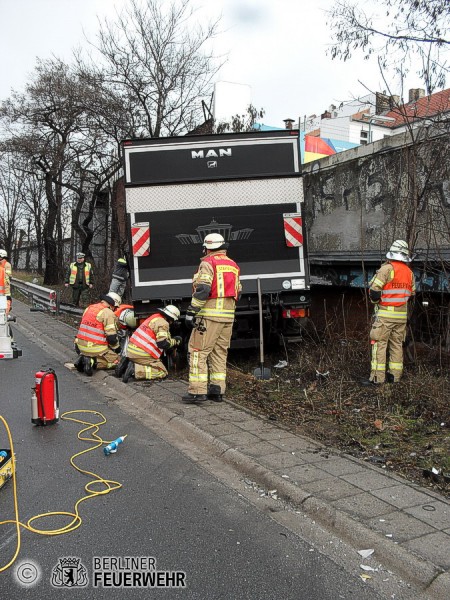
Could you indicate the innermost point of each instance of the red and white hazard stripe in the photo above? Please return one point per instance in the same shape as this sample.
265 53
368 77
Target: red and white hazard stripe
293 229
140 237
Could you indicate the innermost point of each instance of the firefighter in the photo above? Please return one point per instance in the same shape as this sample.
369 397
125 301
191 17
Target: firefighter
390 289
80 277
147 344
97 341
120 277
5 279
211 314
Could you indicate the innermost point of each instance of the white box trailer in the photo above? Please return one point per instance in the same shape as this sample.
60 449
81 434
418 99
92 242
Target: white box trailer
245 186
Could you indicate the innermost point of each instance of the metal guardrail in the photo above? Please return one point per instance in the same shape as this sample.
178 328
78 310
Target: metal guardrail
44 299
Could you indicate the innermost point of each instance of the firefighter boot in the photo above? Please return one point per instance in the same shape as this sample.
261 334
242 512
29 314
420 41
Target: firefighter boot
121 366
89 365
129 372
194 398
214 393
79 364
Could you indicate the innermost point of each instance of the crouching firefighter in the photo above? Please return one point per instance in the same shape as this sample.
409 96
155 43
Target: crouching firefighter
97 341
211 314
147 344
390 289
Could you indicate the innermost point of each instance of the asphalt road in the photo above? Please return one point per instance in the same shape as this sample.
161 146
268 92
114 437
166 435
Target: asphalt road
168 509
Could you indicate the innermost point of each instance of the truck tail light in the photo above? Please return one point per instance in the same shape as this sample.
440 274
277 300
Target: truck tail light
294 313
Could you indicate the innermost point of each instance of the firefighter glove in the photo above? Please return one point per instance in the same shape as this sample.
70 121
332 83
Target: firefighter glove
178 340
190 317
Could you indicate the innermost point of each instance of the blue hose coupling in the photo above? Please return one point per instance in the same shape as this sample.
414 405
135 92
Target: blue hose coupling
112 447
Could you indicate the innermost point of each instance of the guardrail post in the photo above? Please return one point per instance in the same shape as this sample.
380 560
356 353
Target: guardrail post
52 301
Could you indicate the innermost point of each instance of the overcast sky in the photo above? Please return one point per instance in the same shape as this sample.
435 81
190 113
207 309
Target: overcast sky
277 47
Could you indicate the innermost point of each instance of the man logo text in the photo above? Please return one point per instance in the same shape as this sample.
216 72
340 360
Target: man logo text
211 153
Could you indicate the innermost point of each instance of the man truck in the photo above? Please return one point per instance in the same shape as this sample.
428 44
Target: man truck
245 186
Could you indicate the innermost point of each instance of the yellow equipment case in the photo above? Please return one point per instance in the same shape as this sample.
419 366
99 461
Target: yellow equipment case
6 466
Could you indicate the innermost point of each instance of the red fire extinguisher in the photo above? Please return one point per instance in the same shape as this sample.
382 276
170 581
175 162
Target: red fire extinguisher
45 398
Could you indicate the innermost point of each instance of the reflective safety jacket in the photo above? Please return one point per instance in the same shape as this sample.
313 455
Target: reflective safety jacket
219 275
398 291
91 329
5 277
143 341
396 282
74 272
225 283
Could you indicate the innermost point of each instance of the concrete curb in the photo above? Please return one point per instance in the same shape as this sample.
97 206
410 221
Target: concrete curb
433 581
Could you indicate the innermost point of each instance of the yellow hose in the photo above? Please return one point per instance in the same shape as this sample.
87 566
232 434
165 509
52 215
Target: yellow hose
109 485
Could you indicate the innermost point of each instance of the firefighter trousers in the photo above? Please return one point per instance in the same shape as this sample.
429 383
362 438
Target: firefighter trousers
147 367
107 359
208 352
386 338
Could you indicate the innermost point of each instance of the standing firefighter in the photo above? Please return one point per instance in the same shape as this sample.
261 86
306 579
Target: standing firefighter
390 290
148 343
211 313
97 340
80 277
5 279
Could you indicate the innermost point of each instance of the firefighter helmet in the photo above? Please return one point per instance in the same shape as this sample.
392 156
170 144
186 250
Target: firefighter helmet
399 251
3 253
112 298
213 241
170 311
128 318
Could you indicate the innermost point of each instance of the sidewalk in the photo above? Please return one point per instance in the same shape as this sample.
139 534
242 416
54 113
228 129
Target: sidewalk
407 526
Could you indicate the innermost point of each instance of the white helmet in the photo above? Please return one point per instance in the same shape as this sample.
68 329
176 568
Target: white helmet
170 311
128 318
113 299
3 253
399 251
213 241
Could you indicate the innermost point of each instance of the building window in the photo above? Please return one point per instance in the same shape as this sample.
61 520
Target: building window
363 137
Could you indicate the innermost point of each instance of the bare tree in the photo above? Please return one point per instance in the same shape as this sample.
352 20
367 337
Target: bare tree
57 125
160 61
42 122
403 34
11 209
